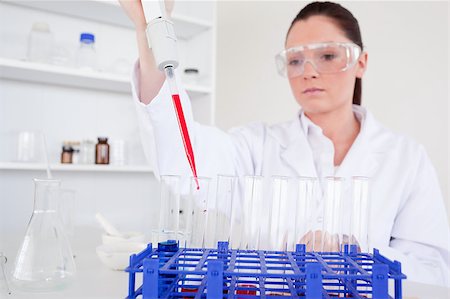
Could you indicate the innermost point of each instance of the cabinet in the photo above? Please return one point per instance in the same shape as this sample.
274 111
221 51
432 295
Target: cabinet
71 104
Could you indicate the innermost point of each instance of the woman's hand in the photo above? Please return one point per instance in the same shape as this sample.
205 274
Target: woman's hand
134 10
315 240
320 241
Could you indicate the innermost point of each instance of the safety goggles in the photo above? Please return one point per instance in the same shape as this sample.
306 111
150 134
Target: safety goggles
326 58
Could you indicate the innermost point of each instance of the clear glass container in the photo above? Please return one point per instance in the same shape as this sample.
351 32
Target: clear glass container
253 207
86 55
201 231
223 212
40 43
360 214
306 212
87 152
333 208
44 261
169 211
284 196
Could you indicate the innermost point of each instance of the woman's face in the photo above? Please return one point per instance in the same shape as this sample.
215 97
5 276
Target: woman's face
322 93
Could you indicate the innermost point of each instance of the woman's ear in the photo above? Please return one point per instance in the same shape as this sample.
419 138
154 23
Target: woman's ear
361 65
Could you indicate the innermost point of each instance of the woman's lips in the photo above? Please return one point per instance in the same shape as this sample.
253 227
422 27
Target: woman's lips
312 91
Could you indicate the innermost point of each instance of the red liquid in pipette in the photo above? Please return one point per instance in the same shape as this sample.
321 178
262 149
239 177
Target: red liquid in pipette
185 136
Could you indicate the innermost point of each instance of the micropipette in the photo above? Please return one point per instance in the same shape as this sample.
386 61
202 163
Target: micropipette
181 121
161 35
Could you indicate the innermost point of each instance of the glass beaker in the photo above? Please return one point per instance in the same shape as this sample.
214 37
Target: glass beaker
44 261
169 211
201 230
359 228
306 213
331 237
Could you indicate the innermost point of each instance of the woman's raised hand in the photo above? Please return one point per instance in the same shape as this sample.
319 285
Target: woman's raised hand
134 10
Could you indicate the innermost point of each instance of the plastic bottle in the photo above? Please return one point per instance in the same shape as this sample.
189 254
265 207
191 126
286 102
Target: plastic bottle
86 55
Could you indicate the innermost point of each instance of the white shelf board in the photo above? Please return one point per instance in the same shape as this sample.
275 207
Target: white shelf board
58 75
74 167
110 12
64 76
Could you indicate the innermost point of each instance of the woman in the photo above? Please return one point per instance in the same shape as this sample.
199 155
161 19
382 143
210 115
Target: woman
332 136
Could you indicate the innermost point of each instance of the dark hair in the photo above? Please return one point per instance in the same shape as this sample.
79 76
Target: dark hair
343 19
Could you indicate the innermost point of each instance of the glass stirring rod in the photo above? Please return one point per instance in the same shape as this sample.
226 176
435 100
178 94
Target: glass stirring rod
170 75
3 272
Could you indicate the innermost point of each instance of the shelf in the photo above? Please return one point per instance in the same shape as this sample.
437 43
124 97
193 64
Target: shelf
58 75
72 77
110 12
74 167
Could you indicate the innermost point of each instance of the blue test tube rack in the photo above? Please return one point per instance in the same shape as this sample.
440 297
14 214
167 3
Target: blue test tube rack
172 272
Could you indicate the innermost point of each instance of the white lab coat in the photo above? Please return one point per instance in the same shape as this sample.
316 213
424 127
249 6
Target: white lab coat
408 218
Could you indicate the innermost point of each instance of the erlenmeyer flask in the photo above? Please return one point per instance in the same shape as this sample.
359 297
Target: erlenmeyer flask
44 261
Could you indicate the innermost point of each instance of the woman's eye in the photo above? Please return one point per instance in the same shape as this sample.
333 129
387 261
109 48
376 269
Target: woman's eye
328 57
294 62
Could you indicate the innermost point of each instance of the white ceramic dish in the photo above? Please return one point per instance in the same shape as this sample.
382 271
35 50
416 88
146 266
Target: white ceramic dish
117 256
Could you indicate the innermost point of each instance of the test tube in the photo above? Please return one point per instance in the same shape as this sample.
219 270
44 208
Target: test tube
331 237
169 208
253 201
306 213
282 218
224 216
359 228
199 197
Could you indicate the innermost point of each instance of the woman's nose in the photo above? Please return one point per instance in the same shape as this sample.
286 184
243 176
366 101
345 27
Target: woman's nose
309 70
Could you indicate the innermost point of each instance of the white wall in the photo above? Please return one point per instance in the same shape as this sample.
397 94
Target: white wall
405 87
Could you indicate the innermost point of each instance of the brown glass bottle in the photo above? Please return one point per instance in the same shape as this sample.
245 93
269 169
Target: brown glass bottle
102 151
66 154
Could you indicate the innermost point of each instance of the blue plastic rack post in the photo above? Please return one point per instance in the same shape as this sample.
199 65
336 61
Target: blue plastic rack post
172 272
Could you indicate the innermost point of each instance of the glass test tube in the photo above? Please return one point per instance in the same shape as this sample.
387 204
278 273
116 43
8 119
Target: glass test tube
253 197
200 235
331 238
359 229
283 199
306 213
169 210
223 215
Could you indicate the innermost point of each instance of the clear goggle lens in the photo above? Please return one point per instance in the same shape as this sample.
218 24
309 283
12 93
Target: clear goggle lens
326 58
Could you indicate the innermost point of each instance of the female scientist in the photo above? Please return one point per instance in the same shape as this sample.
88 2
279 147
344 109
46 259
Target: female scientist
333 135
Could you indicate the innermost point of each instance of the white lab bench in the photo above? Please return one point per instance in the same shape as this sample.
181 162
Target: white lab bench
95 280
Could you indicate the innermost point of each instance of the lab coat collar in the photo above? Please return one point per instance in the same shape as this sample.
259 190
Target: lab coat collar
363 158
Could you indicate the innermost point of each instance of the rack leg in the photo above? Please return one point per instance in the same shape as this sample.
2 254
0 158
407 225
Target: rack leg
380 281
215 280
150 279
313 281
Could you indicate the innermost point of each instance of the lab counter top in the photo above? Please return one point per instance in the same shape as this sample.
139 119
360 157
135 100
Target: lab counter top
95 280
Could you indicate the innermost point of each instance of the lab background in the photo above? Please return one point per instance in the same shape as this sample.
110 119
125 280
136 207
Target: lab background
405 87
